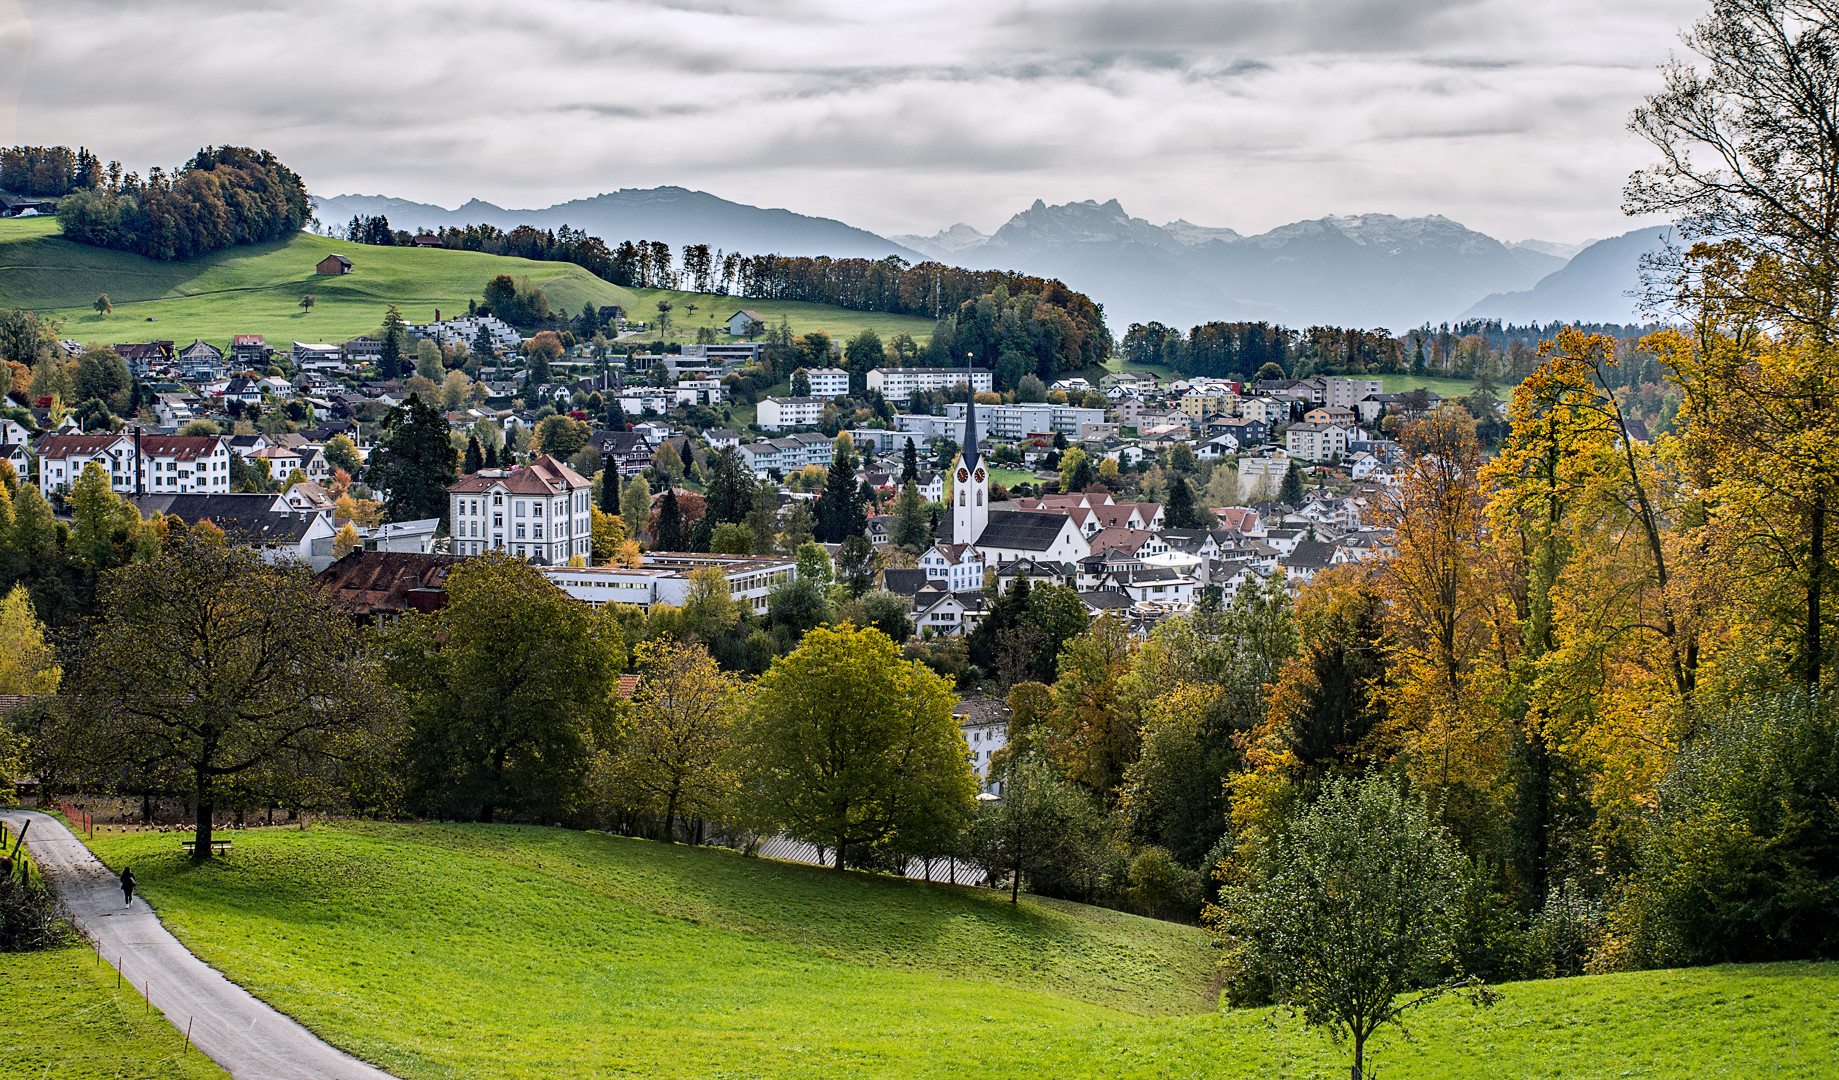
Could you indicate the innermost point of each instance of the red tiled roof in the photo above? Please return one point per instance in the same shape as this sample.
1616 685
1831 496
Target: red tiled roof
544 476
184 447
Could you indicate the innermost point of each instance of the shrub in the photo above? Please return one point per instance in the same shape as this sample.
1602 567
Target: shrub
30 916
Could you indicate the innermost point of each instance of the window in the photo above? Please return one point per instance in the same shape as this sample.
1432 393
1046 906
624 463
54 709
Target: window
520 508
520 536
497 500
497 521
539 536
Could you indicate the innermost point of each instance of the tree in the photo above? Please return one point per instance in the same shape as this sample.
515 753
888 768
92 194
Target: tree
561 437
668 463
608 533
413 462
670 523
508 689
1076 473
27 666
1291 493
635 505
887 612
455 389
675 756
104 376
102 305
801 383
475 457
341 453
912 525
1350 908
1180 511
1043 826
307 300
196 667
395 336
1098 736
1030 388
909 462
732 539
346 542
855 564
851 747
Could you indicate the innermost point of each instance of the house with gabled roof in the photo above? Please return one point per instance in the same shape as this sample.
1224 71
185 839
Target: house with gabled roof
539 512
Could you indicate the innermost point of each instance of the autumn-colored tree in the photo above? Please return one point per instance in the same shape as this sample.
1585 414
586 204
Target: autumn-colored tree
674 756
1451 635
26 663
1097 731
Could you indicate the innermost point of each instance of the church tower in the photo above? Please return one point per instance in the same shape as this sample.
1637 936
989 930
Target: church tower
971 482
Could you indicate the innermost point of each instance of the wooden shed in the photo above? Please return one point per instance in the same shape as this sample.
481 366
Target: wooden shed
334 264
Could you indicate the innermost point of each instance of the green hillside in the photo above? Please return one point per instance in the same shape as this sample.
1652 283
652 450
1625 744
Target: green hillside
494 951
256 290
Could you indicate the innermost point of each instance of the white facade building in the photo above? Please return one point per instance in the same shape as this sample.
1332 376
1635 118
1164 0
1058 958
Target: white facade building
828 382
664 578
783 414
898 384
541 512
189 464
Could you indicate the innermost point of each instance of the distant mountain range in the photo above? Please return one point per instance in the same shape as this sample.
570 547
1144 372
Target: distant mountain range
1597 285
674 215
1368 270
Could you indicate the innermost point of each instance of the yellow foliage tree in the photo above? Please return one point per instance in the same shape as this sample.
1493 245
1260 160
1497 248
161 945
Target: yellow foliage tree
346 542
26 663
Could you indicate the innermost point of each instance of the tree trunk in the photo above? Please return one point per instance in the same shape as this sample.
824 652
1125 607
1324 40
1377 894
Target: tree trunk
1015 881
1816 579
1359 1054
486 812
201 839
840 841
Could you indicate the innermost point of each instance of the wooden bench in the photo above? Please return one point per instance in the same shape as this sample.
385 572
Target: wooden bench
218 847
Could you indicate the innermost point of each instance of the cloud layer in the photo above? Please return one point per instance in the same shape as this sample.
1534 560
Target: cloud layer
897 116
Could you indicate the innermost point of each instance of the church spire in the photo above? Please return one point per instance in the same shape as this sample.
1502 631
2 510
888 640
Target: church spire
970 413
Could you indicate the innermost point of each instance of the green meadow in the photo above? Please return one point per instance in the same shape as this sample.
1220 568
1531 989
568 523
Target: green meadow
256 289
497 951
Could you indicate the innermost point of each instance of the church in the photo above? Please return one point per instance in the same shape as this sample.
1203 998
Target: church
1002 531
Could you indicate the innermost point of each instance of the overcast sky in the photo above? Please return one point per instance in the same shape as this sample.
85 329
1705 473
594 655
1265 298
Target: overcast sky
893 115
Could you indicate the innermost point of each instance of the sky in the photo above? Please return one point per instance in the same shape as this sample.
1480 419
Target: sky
898 116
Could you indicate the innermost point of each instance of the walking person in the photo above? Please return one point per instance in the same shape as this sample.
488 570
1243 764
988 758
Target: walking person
127 886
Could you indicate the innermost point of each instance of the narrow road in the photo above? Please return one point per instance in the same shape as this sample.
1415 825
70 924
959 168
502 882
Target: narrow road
244 1035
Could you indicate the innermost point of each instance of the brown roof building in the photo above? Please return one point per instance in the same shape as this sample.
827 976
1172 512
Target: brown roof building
539 512
382 585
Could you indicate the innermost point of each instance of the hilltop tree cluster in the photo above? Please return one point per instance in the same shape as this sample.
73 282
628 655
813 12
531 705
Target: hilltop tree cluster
49 171
222 197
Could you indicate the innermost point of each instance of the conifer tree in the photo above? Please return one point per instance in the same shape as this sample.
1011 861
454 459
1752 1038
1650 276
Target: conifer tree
670 522
475 457
909 463
1291 494
414 462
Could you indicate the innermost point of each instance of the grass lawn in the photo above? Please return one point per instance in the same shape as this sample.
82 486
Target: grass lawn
1010 477
713 311
492 951
1449 388
65 1019
256 289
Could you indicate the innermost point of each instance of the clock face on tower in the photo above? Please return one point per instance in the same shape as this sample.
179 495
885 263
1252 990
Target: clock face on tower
963 475
980 474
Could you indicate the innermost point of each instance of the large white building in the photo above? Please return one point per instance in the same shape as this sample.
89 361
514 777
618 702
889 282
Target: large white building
783 414
789 454
898 384
162 464
827 382
1010 534
540 512
664 578
1012 422
1315 442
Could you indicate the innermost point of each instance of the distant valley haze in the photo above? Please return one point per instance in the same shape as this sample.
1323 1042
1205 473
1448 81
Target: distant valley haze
1179 160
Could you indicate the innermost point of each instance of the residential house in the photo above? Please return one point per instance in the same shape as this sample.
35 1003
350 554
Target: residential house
137 462
898 384
958 567
745 323
266 523
939 612
827 382
249 350
382 586
783 414
1316 442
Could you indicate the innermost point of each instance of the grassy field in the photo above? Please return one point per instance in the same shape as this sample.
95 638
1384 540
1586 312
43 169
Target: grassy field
713 311
66 1019
1010 477
256 290
476 951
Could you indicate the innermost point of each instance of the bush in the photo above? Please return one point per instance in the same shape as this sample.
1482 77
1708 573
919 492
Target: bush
1740 860
30 916
1162 888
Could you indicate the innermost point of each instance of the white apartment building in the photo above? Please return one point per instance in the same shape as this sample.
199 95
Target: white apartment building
540 513
1315 442
789 454
664 578
160 464
828 382
783 414
1012 422
1346 393
898 384
464 330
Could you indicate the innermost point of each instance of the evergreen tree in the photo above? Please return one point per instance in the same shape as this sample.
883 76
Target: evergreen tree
491 456
912 525
482 344
1291 494
475 457
839 509
414 462
801 383
909 463
395 337
1180 511
609 490
731 485
616 416
670 522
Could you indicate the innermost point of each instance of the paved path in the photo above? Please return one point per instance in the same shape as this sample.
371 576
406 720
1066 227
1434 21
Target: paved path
245 1036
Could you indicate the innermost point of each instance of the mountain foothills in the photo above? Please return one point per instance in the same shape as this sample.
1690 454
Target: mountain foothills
1364 270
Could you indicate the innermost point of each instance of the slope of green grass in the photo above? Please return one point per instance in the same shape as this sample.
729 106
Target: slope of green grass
713 311
66 1018
477 951
256 289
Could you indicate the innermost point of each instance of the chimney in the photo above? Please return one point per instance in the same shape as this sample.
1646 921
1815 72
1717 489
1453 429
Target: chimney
139 468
